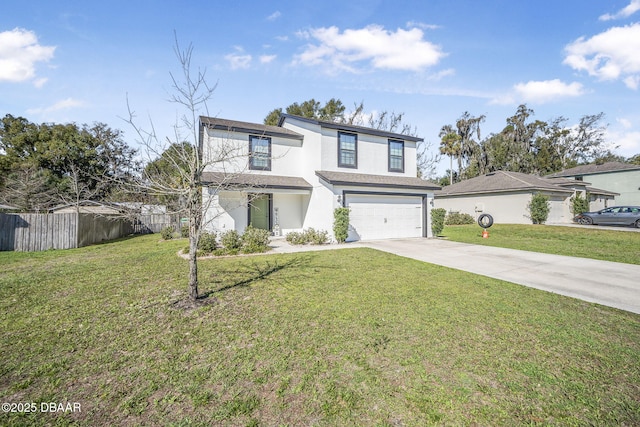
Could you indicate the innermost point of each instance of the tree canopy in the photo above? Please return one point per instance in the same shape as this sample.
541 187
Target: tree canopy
42 165
528 145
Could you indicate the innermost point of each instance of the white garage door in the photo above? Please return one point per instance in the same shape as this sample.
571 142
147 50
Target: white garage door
384 217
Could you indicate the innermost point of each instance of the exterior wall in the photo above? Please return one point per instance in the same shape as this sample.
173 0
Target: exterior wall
321 145
225 211
505 208
627 183
286 154
289 211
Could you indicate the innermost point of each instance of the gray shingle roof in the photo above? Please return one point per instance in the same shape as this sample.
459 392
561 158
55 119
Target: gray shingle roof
254 180
351 128
595 169
500 181
366 180
246 127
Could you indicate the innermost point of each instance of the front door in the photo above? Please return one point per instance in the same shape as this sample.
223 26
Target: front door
260 211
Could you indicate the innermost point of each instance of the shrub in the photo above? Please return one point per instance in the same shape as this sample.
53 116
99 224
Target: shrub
341 224
437 220
167 232
457 218
231 241
309 236
317 237
539 208
207 242
296 238
255 240
579 204
184 231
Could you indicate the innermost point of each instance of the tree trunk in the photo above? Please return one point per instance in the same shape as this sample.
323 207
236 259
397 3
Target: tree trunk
195 216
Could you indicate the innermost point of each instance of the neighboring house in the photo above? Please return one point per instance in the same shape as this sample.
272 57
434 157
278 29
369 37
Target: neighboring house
618 177
506 196
88 207
292 176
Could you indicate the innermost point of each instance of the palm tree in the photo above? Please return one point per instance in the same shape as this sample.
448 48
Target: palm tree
450 146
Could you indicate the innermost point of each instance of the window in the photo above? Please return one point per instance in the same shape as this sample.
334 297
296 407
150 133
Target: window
259 153
347 150
396 156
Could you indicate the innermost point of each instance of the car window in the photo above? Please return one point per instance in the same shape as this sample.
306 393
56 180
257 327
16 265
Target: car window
624 210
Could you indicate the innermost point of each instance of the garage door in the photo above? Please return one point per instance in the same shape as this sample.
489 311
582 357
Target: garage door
384 217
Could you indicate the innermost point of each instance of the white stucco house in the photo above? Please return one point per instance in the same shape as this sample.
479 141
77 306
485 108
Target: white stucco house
292 176
506 196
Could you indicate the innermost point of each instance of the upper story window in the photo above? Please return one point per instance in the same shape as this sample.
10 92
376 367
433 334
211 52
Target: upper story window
396 156
259 153
347 150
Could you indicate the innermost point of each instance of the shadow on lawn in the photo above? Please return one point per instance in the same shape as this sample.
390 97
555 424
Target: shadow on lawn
230 279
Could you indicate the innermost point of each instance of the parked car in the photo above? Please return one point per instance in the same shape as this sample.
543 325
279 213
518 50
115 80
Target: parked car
616 215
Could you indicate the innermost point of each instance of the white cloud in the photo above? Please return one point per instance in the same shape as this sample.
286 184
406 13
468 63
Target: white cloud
275 15
266 59
422 25
547 90
611 55
19 53
238 60
372 46
539 92
626 141
625 12
65 104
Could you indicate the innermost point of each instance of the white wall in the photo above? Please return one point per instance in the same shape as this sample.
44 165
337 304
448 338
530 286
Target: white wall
225 211
286 154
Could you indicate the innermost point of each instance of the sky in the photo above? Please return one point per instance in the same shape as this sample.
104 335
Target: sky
85 61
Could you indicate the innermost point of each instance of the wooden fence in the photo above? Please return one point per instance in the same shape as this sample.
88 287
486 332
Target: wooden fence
154 223
40 232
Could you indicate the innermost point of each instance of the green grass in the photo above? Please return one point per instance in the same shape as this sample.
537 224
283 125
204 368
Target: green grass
607 245
345 337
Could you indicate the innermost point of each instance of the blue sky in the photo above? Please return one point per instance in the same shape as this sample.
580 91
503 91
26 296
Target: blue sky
77 61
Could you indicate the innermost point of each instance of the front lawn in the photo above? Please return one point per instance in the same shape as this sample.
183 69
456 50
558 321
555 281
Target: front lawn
345 337
607 245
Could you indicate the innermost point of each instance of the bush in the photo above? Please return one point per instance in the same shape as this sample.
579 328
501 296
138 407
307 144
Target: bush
457 218
184 231
317 237
231 241
579 204
255 240
167 232
207 242
539 208
309 236
296 238
437 220
341 224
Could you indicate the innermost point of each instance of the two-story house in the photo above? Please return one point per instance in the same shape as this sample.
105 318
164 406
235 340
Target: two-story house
292 176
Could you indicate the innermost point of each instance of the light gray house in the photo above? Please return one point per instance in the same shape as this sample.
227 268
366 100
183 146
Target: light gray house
506 196
618 177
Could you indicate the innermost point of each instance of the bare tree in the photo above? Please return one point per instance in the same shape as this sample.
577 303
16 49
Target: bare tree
186 159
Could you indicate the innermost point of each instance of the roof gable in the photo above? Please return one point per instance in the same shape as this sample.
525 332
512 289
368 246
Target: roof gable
349 128
248 128
592 169
501 181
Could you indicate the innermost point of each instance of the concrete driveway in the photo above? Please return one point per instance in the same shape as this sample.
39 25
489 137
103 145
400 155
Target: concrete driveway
608 283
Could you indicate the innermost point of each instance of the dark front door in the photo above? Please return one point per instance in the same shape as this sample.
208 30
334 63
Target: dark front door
260 211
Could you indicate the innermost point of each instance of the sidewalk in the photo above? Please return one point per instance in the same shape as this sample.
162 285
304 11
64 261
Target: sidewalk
608 283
